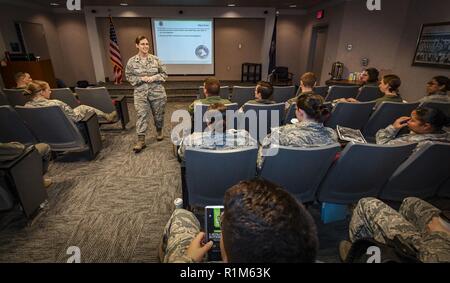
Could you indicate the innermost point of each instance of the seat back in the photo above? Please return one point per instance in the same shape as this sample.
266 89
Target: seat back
361 171
350 115
6 199
443 106
51 126
421 174
290 114
16 97
97 97
299 170
199 115
224 92
283 94
65 95
385 115
321 90
267 116
369 93
210 173
3 99
444 190
12 127
337 92
242 94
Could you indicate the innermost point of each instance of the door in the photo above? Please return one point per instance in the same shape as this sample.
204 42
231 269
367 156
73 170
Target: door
317 51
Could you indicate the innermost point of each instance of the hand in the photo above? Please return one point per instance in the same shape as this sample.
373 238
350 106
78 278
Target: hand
401 122
352 100
435 225
196 250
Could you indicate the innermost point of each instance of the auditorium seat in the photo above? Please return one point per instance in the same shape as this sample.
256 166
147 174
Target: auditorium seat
337 92
282 94
3 99
321 90
51 126
443 106
420 175
201 109
65 95
361 171
242 94
385 115
263 117
369 93
98 97
299 170
16 97
350 115
290 114
21 178
224 92
13 128
444 190
210 173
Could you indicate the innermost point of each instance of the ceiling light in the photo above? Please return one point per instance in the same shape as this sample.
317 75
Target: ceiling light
231 5
293 6
123 4
54 4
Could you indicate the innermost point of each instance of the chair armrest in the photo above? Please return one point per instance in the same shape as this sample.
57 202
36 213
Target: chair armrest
88 117
11 163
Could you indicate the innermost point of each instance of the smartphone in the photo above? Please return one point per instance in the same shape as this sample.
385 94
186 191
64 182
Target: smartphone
213 231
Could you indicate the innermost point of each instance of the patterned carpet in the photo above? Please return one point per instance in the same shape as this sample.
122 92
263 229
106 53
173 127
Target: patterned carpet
114 208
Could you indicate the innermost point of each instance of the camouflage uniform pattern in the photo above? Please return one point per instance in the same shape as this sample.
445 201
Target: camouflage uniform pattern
232 139
442 97
294 99
208 101
374 219
303 134
147 96
76 114
179 232
389 136
260 101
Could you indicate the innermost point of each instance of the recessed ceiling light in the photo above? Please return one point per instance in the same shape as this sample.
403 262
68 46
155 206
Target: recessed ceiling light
54 4
293 6
231 5
123 4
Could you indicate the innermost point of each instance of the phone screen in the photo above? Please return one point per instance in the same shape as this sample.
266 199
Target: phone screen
213 231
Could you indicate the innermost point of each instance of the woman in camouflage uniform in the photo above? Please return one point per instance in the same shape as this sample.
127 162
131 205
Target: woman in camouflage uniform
146 74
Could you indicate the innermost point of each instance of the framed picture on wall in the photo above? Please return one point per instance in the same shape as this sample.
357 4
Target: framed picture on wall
433 46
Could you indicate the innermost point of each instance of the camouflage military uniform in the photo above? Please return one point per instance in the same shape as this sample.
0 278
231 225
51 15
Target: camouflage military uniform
303 134
77 114
389 136
442 97
179 232
208 101
232 139
294 99
147 96
374 219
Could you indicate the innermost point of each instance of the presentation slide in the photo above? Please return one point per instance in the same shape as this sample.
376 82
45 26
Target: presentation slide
186 47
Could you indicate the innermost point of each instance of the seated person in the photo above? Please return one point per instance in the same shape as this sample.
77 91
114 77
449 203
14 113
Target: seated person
211 89
10 151
308 132
216 136
263 94
370 77
22 80
418 223
307 83
261 223
425 125
40 97
437 90
389 86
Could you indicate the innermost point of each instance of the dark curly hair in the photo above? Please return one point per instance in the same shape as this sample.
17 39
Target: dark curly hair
313 105
264 223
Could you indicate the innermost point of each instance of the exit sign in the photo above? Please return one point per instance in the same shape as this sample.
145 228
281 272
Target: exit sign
320 14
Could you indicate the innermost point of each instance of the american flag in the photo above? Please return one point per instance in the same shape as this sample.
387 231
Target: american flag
114 54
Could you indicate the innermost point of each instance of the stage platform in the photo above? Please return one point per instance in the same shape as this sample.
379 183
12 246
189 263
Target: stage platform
176 90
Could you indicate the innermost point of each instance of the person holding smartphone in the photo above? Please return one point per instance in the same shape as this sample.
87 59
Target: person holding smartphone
256 215
419 224
425 124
